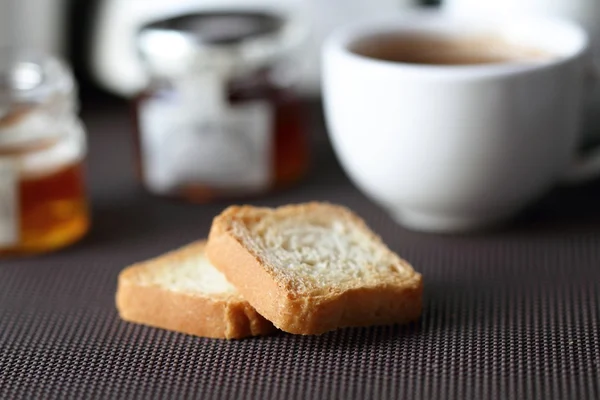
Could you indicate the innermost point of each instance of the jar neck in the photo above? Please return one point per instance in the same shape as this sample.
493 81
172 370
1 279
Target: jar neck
228 44
37 98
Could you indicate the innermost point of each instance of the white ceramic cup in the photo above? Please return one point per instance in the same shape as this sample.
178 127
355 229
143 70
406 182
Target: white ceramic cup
455 148
584 12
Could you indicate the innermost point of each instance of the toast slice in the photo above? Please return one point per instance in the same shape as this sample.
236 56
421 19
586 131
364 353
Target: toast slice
314 267
181 291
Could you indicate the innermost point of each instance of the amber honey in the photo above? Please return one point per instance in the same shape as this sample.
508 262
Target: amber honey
53 210
42 148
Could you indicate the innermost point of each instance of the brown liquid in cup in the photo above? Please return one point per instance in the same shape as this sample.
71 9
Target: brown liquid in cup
436 50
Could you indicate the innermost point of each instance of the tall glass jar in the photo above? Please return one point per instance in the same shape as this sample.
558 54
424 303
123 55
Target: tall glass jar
220 118
43 204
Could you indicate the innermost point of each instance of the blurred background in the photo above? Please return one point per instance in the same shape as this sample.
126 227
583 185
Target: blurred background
175 131
128 115
98 36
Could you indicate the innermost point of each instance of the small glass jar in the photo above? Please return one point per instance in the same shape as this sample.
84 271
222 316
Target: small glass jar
220 118
43 203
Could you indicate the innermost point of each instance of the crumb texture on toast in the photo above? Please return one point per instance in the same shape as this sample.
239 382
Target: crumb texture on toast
317 247
191 275
181 291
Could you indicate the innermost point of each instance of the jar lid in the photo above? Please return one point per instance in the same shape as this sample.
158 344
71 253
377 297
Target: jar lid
27 76
33 87
248 39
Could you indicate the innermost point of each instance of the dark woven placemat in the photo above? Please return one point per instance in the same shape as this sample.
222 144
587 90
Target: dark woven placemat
512 314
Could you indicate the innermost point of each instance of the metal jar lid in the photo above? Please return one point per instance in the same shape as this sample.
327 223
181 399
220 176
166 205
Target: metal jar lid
240 40
37 97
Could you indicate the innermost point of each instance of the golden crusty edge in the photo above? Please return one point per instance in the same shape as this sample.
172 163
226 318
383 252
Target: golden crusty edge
223 316
391 301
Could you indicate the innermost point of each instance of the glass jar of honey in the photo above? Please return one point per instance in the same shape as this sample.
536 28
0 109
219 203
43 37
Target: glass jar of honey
220 118
43 203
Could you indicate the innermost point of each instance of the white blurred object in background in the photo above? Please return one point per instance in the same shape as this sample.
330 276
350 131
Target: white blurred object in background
114 60
584 12
37 24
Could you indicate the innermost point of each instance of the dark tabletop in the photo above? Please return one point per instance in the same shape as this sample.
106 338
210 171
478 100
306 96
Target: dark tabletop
509 314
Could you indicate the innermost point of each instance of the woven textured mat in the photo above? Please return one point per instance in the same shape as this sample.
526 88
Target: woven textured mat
512 314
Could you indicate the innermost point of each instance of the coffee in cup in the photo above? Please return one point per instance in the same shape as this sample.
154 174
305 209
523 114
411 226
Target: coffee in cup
438 50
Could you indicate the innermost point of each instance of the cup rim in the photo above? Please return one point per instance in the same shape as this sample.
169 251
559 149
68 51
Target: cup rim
427 21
